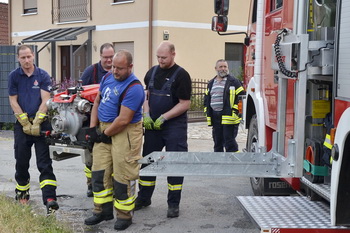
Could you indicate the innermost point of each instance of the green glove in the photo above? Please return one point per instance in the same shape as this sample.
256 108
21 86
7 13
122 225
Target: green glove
147 121
40 117
24 121
159 122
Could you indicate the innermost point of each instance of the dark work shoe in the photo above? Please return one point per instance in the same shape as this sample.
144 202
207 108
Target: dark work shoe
122 224
51 206
97 218
22 197
139 204
89 191
173 212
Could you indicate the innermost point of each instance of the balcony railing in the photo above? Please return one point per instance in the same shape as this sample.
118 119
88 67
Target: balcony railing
64 11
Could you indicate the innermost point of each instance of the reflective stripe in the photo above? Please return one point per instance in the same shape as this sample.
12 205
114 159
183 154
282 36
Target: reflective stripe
128 201
102 200
88 173
239 90
327 142
23 116
230 120
124 207
235 106
147 183
41 115
23 188
209 121
175 187
232 96
47 182
103 193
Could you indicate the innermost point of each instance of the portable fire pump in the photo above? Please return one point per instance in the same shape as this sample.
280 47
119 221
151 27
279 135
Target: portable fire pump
69 113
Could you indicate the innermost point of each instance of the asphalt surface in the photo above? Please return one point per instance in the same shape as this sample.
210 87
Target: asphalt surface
208 204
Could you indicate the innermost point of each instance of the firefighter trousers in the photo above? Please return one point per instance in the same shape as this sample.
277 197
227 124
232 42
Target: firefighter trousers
115 170
224 135
23 153
173 138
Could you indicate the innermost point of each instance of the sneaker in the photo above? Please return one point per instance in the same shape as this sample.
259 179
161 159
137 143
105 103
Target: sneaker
89 192
173 212
139 204
122 224
22 196
51 206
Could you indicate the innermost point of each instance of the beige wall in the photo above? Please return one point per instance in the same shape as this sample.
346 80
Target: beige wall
188 23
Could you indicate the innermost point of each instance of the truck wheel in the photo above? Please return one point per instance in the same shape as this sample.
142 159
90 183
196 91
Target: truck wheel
252 146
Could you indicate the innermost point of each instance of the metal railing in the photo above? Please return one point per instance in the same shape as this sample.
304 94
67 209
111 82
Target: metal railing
196 114
70 10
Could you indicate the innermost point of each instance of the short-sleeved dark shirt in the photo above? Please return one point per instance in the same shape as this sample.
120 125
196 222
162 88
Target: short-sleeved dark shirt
28 89
182 86
93 74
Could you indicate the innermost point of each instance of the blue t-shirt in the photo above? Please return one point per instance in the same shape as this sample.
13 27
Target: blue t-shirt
88 76
111 89
28 89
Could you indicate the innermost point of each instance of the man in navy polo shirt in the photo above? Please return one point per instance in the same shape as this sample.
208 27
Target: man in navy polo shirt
92 75
29 90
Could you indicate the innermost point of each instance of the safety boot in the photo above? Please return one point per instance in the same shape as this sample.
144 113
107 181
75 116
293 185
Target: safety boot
89 191
122 224
22 196
105 215
173 212
139 203
51 206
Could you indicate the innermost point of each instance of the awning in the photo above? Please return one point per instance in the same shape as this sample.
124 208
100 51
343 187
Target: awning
58 34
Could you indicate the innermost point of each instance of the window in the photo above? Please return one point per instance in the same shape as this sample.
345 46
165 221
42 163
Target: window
70 11
276 4
234 58
30 6
123 1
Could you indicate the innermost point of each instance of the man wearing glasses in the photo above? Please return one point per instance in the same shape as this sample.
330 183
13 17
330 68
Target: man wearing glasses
93 75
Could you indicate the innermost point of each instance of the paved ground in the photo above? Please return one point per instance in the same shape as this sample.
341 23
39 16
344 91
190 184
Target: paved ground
208 204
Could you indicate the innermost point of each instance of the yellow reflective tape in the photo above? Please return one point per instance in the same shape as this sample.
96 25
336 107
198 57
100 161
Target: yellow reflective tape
128 201
124 207
232 97
41 115
175 187
23 188
103 200
23 116
327 142
48 182
103 193
238 90
147 183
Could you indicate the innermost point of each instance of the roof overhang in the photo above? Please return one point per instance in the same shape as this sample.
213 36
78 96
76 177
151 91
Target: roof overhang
58 34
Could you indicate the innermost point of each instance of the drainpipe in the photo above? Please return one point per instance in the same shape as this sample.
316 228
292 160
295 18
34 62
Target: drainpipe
150 33
9 21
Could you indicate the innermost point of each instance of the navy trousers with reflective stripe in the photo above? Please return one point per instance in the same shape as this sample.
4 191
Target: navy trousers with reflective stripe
23 154
224 135
174 138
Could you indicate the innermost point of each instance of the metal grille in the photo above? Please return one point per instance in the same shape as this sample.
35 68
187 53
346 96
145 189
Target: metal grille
70 10
196 113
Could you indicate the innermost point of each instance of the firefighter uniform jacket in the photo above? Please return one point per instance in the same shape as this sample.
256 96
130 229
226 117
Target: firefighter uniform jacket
232 89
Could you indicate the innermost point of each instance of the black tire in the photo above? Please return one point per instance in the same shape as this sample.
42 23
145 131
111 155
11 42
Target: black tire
257 183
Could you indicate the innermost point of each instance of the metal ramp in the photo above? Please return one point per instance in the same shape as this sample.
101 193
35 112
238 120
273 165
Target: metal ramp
287 214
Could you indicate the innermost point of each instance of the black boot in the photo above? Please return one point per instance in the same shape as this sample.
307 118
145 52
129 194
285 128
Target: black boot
89 191
105 215
139 203
122 224
51 206
173 212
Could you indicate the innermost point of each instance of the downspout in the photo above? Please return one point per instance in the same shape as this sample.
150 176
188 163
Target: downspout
9 22
150 33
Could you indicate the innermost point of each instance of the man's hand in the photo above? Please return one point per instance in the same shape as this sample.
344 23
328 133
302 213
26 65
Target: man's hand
147 121
97 137
24 121
159 122
39 118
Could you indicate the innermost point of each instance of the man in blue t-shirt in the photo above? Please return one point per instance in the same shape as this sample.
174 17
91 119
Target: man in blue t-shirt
29 90
117 116
92 75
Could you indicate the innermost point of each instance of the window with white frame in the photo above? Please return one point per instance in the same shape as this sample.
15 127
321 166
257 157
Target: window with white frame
30 6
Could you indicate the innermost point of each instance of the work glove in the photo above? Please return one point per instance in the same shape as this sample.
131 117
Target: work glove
24 121
97 136
147 121
40 117
159 122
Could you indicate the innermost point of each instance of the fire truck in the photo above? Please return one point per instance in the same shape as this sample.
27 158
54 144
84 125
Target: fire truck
296 110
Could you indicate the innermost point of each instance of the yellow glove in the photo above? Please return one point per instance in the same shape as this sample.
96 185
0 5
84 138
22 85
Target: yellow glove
159 122
40 117
24 121
147 121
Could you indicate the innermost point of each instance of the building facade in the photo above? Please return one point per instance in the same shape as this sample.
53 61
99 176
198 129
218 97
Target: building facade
4 29
68 33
